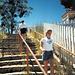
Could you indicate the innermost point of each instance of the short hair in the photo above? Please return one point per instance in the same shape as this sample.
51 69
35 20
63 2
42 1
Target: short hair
22 21
49 30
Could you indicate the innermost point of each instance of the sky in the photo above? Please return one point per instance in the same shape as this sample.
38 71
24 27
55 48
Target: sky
45 11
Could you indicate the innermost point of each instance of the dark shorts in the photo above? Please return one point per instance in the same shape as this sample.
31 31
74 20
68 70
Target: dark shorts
47 55
23 30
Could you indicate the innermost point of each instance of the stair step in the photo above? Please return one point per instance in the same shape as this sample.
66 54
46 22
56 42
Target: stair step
7 46
15 53
15 73
12 62
6 43
40 73
16 57
13 57
10 47
7 39
15 44
13 68
18 68
16 50
19 62
25 73
10 42
10 34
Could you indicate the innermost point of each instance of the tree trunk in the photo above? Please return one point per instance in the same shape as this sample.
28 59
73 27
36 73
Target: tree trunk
11 27
8 30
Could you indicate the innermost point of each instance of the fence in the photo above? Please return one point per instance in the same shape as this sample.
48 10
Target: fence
63 34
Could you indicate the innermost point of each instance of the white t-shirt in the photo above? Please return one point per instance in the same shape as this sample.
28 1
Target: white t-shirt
22 26
47 43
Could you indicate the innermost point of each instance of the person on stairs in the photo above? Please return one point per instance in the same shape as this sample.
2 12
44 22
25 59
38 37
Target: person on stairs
46 45
23 29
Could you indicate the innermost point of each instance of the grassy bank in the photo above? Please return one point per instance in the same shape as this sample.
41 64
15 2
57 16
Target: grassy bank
2 36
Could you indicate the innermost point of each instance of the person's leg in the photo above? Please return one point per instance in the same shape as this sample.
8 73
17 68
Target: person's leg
24 35
51 61
45 66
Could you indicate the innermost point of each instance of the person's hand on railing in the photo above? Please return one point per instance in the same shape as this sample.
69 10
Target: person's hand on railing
19 31
53 51
43 50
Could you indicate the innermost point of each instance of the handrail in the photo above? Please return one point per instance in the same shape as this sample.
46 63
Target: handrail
55 43
38 33
64 49
33 55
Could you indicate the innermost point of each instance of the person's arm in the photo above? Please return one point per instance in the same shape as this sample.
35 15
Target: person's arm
53 48
19 28
41 47
26 27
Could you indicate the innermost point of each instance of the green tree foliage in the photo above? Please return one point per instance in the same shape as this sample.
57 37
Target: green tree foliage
10 9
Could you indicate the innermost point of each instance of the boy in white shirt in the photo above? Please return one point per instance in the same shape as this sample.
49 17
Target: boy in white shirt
23 29
47 48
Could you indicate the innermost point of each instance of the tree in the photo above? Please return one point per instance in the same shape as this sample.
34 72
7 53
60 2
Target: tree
68 4
10 9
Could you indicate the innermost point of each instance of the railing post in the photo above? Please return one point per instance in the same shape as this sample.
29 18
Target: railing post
60 54
18 37
16 33
30 30
0 37
2 33
20 46
35 34
27 62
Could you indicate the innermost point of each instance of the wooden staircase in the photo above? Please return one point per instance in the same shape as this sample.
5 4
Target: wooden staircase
13 63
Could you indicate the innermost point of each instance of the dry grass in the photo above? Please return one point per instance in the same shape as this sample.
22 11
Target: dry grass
2 36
